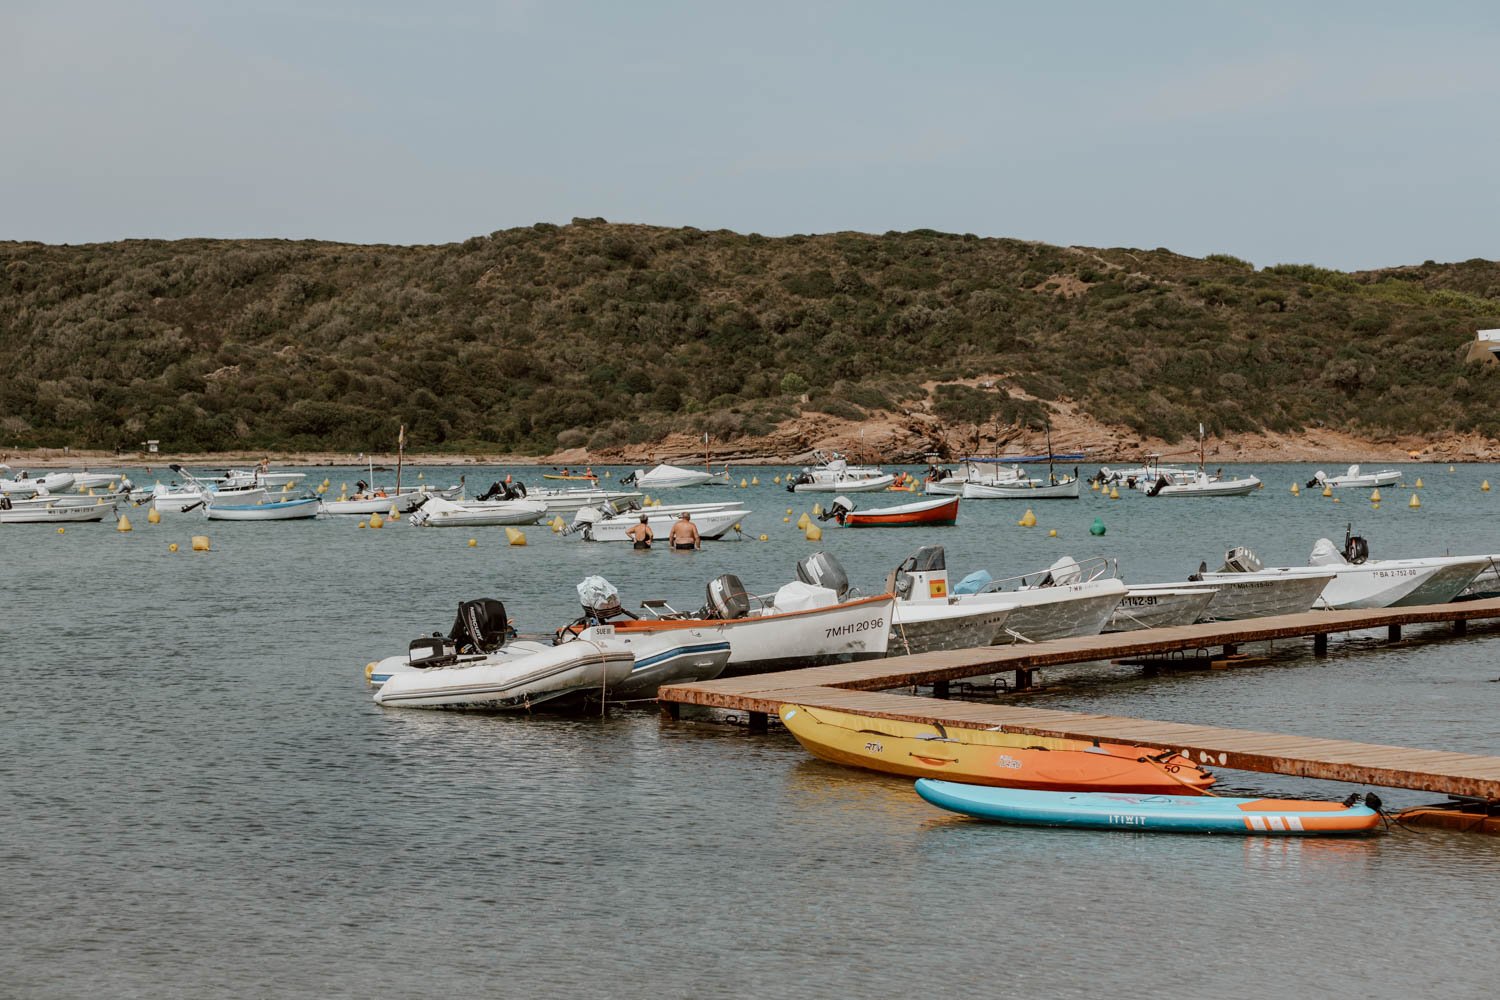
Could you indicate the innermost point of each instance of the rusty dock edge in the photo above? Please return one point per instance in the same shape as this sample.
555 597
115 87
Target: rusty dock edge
860 688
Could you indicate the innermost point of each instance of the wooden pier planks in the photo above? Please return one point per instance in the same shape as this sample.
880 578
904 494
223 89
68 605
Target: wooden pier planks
862 688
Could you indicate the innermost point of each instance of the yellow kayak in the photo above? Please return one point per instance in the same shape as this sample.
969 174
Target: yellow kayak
990 757
557 475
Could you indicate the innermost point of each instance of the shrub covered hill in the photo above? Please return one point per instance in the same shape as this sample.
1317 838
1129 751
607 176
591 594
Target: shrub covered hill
603 336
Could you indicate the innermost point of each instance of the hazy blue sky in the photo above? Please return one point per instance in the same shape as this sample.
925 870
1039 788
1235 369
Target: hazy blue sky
1344 134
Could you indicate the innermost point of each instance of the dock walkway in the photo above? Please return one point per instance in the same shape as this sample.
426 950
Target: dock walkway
856 687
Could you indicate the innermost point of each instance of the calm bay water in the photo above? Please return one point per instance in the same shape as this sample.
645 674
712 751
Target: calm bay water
201 799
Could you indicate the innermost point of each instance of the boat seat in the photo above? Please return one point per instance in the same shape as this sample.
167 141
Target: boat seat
661 610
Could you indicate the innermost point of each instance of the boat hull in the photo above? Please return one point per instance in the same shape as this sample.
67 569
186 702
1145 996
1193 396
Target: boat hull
1159 609
712 524
931 513
929 627
511 679
1020 491
1150 813
1238 596
1058 612
844 484
989 757
404 504
440 513
55 514
1210 488
281 510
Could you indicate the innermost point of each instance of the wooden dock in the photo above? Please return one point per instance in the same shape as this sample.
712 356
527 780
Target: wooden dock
857 687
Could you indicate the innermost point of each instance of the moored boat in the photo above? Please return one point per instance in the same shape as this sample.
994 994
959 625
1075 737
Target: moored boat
834 474
671 477
989 757
1150 813
935 512
713 521
1162 607
53 513
435 512
270 510
1354 478
1066 488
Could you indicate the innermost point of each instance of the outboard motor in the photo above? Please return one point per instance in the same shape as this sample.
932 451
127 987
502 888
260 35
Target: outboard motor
821 569
515 490
922 576
1317 479
802 477
585 517
727 598
1356 549
628 480
481 626
496 489
600 600
840 507
1161 483
1240 560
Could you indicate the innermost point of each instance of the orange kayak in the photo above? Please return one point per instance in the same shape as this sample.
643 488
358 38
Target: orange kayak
990 757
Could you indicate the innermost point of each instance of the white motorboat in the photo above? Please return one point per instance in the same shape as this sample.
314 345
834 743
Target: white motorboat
601 526
1199 484
25 485
1067 599
376 502
1361 582
435 512
259 477
560 501
834 474
978 471
1148 473
926 617
1160 607
800 625
671 477
481 670
1356 479
1238 596
177 499
52 513
268 510
1066 488
95 480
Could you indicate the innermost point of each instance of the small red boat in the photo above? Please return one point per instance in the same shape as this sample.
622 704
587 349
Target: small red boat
932 513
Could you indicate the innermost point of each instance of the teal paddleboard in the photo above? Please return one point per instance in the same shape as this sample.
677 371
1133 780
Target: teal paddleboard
1167 813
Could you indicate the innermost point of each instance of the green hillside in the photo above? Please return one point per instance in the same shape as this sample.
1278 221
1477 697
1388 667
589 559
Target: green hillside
594 334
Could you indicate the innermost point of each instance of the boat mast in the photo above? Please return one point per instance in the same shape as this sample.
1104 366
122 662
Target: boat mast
400 455
1051 476
707 464
1200 446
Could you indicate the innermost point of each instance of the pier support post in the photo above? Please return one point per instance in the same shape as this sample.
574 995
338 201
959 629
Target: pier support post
1320 644
940 689
1460 626
670 711
759 722
1230 650
1393 633
1023 679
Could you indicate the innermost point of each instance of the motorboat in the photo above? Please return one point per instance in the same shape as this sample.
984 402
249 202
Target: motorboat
939 511
435 512
260 477
1199 484
1354 478
799 625
95 480
376 501
834 474
51 513
266 510
926 619
1065 600
1238 596
671 477
560 501
25 485
1148 472
1161 607
474 667
990 757
177 499
713 521
1361 582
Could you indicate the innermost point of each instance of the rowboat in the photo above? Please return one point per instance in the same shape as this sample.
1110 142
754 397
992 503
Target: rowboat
989 757
1066 488
435 512
978 471
929 513
376 502
274 510
1150 813
1356 479
560 475
54 513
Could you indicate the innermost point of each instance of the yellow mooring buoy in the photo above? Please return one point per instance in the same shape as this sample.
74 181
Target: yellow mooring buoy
1415 502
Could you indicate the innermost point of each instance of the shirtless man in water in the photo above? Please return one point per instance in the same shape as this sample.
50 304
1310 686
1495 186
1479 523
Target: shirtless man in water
684 534
641 533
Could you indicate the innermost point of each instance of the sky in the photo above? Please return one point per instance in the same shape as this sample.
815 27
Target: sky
1349 135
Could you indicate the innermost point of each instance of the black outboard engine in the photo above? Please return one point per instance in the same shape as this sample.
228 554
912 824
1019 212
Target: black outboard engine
496 490
838 510
1356 549
628 480
1156 487
821 569
802 477
727 598
481 626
